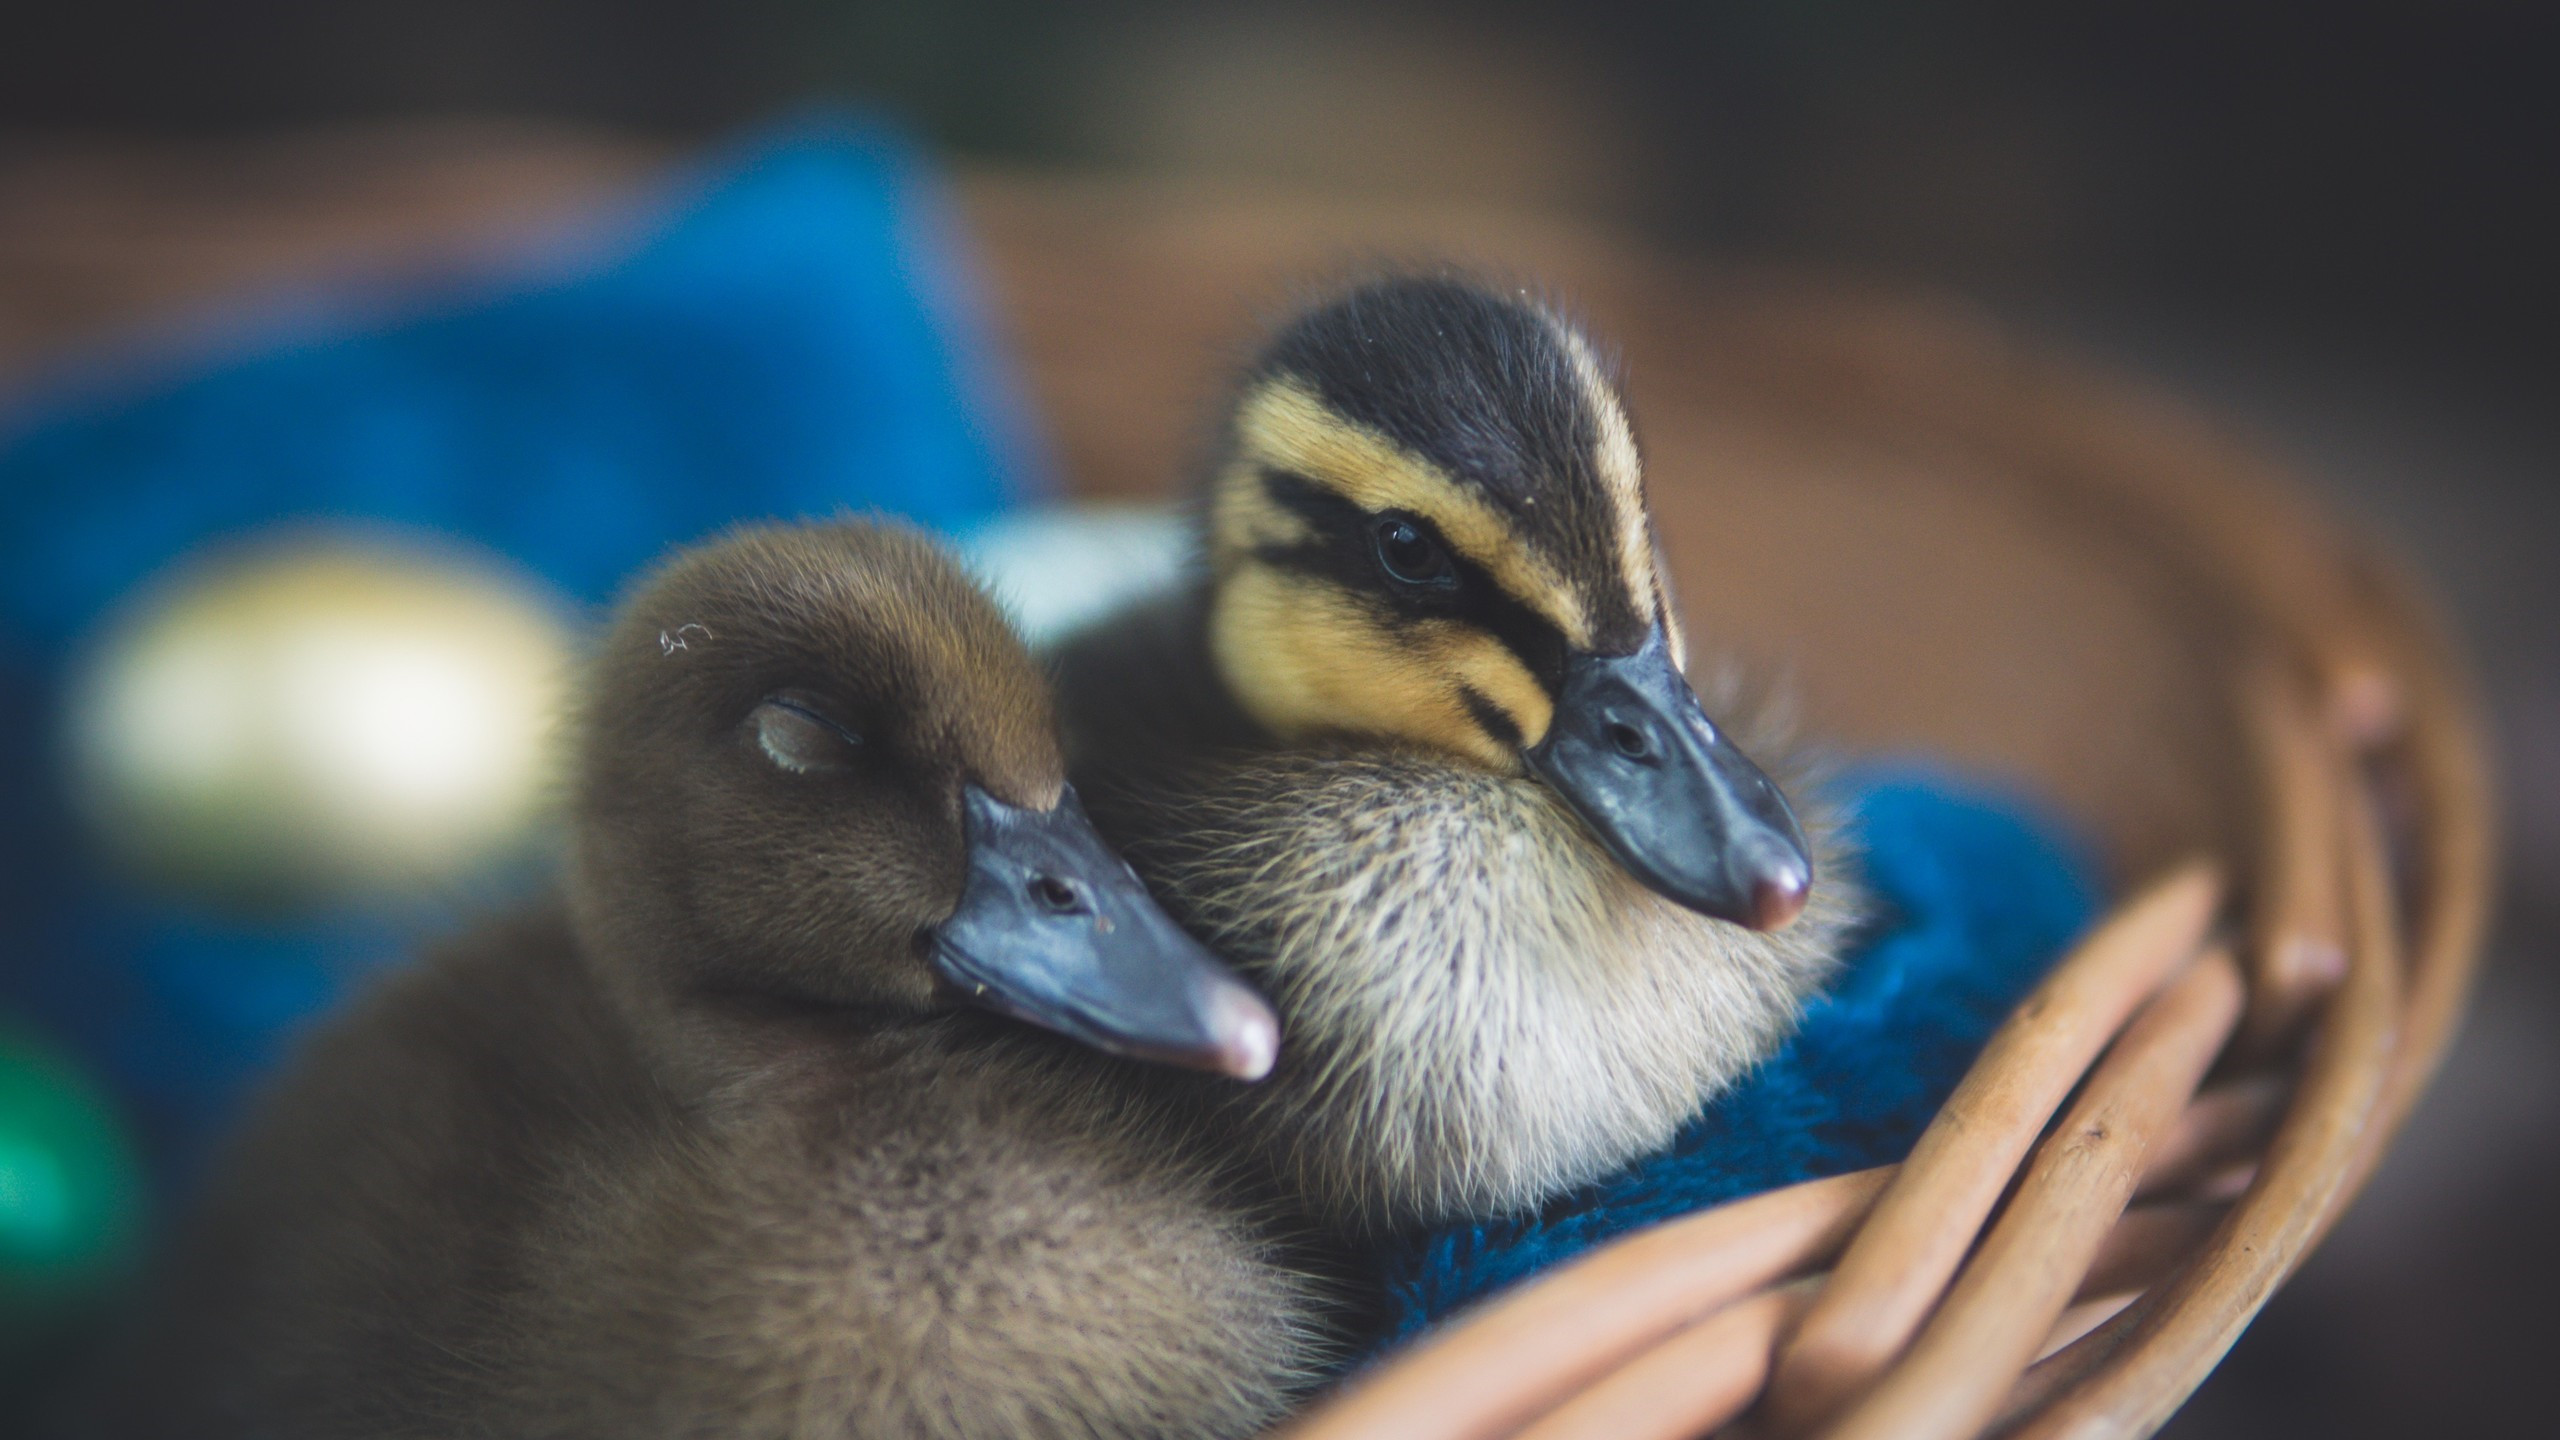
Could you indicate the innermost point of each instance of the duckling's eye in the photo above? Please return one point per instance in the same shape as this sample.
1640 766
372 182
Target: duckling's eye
1059 897
802 741
1410 556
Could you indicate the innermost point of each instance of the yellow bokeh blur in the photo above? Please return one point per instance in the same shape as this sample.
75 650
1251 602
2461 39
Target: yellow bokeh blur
321 716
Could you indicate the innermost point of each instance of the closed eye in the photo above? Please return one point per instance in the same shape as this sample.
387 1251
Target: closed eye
803 741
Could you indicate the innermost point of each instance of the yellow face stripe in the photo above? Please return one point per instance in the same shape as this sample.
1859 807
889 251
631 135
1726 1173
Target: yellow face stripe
1487 666
1283 425
1621 471
1243 517
1303 657
1670 604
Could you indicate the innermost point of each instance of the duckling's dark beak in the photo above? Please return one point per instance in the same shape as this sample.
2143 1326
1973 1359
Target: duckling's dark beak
1055 929
1685 811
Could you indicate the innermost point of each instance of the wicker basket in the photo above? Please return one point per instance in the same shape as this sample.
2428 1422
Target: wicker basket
1958 546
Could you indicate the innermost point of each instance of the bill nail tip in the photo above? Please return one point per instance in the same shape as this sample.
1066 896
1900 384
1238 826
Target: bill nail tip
1250 1043
1776 903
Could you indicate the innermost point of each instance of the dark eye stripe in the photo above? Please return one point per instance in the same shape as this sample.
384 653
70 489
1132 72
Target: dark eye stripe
1340 550
1492 719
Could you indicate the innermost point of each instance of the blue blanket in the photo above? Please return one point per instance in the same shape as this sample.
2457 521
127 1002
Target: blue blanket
1977 896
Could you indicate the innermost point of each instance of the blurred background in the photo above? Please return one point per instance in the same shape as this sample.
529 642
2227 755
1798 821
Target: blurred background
2334 225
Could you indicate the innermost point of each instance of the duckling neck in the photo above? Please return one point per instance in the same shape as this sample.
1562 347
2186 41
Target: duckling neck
1481 1008
1141 690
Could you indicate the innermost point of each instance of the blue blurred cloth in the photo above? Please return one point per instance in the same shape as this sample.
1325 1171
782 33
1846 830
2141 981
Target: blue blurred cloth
791 335
796 341
1978 896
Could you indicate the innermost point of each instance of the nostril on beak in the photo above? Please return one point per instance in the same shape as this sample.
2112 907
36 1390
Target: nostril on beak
1629 741
1058 896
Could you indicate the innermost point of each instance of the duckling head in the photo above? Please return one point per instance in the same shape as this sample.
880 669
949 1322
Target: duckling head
1428 525
820 771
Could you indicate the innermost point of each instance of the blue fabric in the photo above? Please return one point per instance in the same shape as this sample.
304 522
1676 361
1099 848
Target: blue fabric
1978 896
787 333
795 342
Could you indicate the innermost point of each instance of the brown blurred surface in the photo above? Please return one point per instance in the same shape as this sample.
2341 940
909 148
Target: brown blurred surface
103 238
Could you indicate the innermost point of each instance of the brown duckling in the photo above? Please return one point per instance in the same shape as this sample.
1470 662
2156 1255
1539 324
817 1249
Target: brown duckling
724 1141
1417 752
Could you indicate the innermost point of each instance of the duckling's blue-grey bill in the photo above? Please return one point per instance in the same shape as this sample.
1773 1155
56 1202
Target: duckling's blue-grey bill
1054 928
1633 752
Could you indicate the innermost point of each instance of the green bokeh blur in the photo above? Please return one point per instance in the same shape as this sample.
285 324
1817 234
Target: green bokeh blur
72 1201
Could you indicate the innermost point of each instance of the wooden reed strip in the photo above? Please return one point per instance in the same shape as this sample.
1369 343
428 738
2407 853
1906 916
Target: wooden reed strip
1516 1358
2297 951
2224 1124
1686 1386
2454 847
2069 1365
2144 1249
2364 704
1902 1258
2077 1319
1995 1320
2147 1243
2193 1322
2453 867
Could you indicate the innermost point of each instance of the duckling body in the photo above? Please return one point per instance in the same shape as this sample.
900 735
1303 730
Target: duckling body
1415 754
708 1146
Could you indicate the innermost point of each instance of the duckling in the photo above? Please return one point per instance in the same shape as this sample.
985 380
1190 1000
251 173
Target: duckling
744 1134
1416 751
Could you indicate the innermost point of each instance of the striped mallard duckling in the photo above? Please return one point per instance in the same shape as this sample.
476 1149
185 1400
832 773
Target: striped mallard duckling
1416 751
745 1135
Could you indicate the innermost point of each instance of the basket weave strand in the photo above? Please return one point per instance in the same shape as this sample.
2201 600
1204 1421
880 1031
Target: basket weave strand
1997 1318
1901 1260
